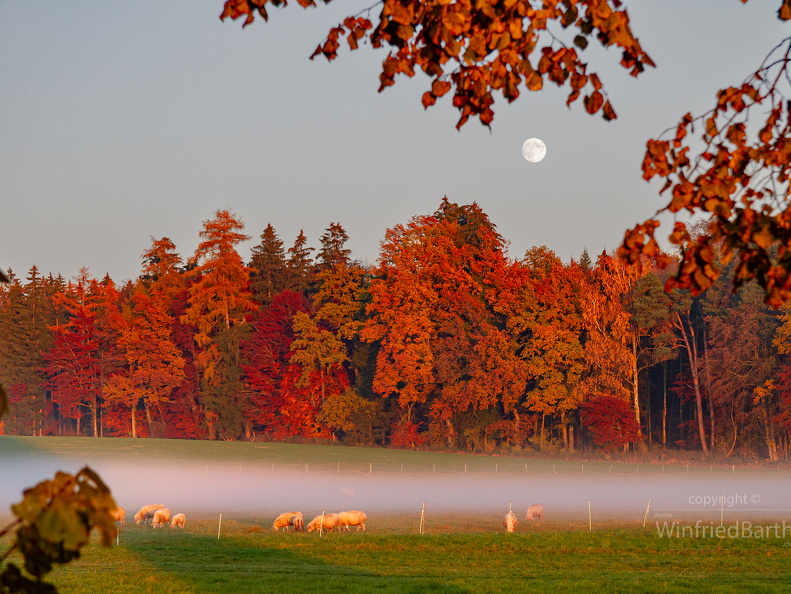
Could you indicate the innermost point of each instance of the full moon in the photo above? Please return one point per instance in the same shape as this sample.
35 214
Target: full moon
534 150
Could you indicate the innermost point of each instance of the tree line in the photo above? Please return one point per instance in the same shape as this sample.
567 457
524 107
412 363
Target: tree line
446 342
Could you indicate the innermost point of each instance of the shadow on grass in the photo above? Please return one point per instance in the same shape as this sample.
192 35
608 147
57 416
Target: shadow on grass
254 561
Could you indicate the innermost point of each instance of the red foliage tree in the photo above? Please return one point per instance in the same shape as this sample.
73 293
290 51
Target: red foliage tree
266 353
611 421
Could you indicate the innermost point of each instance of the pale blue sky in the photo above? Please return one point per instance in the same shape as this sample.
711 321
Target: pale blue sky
122 120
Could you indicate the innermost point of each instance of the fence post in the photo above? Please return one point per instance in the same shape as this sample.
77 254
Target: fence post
422 517
590 520
722 509
645 518
219 527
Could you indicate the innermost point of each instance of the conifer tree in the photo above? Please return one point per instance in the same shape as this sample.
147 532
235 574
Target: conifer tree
301 266
333 250
218 305
269 269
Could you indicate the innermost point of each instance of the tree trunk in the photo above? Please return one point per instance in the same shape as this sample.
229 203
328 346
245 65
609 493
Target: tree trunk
635 392
564 430
769 432
648 416
664 403
134 420
688 337
707 375
94 420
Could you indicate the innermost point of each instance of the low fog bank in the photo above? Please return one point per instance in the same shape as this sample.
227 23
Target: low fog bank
262 490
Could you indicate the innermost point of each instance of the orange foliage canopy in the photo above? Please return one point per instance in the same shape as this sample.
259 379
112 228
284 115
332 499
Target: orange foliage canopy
479 48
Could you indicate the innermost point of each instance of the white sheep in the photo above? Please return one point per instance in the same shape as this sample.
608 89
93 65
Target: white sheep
327 522
178 521
535 512
286 519
118 515
147 512
161 518
352 518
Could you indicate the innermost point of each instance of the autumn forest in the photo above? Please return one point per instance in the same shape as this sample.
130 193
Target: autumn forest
445 343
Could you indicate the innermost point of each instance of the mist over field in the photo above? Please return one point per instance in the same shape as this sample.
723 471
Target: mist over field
263 490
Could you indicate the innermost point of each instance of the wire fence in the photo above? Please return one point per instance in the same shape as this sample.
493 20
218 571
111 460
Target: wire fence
502 468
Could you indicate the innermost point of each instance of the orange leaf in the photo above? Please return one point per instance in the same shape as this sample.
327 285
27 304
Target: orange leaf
535 82
440 87
594 102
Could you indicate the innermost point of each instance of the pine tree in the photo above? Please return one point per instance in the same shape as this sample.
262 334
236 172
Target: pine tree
269 269
333 252
300 265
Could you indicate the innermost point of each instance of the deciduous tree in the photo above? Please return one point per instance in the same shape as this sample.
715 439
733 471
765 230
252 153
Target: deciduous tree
547 320
441 344
611 345
611 421
73 365
152 364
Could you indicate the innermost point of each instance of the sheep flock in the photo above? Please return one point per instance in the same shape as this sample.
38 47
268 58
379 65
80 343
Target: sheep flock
159 515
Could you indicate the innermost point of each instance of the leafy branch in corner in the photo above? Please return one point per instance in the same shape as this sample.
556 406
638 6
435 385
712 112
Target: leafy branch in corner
739 181
54 521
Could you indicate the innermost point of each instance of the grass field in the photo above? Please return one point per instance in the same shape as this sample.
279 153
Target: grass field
463 549
248 558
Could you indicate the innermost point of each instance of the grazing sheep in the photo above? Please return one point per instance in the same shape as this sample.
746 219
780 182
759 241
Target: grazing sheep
147 512
509 521
287 519
535 512
178 521
118 515
329 523
351 518
161 518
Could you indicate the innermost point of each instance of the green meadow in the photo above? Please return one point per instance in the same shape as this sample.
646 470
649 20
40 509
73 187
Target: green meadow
460 552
